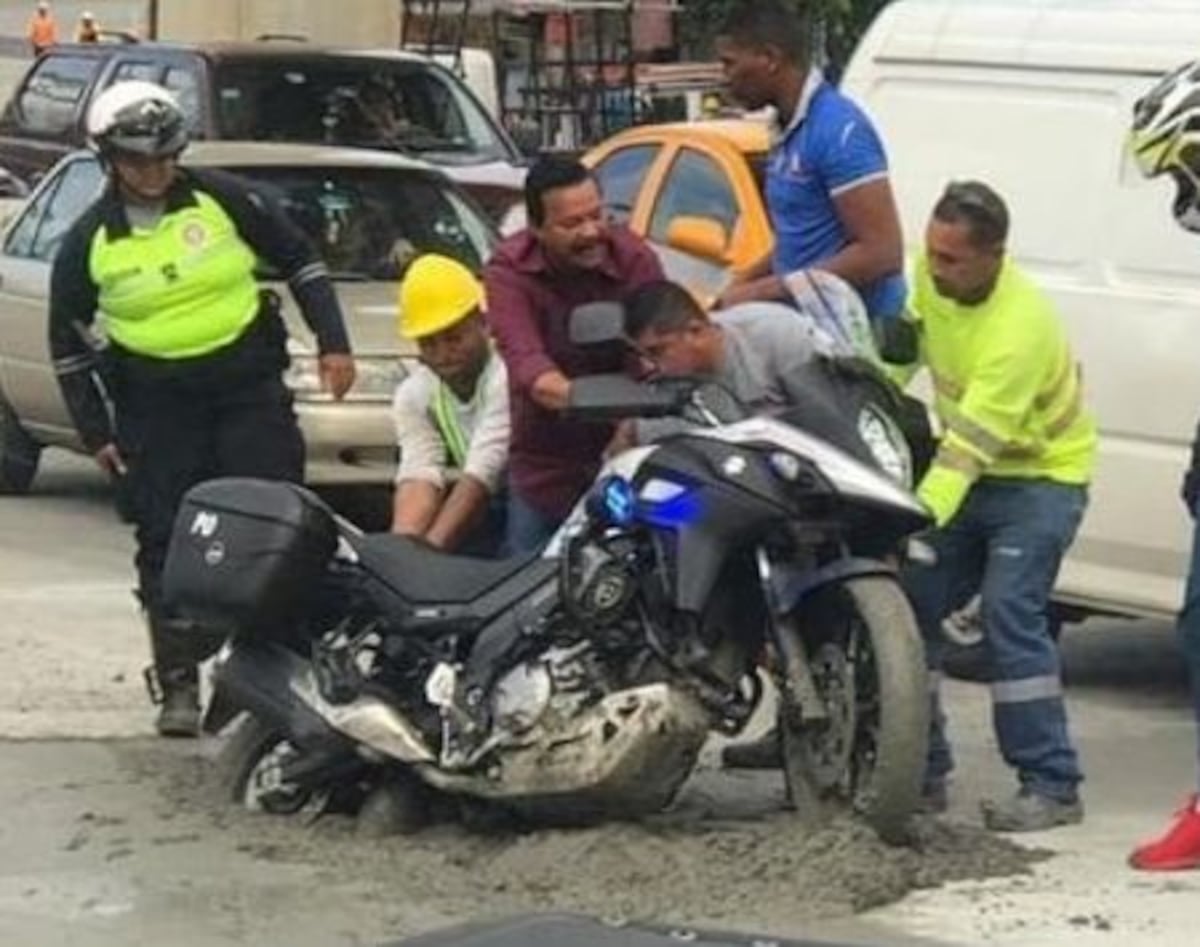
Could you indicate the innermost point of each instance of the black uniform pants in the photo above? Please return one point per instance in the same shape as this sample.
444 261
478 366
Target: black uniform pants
178 425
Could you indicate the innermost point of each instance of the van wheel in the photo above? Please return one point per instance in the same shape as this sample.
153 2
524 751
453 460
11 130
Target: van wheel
19 453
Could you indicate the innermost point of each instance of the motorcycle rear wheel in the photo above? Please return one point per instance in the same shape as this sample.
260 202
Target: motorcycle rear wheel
868 664
248 767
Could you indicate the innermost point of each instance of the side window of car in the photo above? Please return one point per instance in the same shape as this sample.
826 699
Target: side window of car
21 237
696 186
50 99
79 186
184 82
620 176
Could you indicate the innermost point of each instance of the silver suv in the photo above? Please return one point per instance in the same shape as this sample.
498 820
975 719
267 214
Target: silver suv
368 212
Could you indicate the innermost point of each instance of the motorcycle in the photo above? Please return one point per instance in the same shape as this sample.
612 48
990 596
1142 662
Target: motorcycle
579 683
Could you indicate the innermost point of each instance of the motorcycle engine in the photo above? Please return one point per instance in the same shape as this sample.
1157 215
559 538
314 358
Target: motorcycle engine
599 580
557 683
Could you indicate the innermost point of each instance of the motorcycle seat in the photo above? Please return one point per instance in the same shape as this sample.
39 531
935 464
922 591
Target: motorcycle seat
422 575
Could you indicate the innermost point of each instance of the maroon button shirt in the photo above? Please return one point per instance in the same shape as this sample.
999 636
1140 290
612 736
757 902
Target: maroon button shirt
552 461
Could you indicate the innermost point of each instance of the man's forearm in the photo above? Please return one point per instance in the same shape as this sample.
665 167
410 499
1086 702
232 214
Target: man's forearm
415 506
861 264
464 508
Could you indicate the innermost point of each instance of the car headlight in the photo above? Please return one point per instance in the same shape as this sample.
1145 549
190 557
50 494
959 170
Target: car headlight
375 377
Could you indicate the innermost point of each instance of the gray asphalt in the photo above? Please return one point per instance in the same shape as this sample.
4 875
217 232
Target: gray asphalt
72 647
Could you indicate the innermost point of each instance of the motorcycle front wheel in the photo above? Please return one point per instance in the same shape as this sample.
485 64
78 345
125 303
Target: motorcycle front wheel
867 663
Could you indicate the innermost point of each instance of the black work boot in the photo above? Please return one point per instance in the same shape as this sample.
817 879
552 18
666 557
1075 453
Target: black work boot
180 713
177 692
763 753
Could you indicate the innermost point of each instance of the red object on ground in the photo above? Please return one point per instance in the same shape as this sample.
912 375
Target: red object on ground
1178 849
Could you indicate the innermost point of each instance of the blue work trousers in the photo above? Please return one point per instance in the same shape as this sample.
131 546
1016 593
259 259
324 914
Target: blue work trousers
1007 541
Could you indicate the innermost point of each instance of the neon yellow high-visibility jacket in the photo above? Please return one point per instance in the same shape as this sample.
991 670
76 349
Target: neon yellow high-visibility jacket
1008 391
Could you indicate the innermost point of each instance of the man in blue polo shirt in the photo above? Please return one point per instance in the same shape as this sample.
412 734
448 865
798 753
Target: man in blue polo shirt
827 188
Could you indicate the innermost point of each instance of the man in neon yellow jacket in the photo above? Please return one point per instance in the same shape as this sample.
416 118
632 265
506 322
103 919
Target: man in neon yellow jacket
1007 489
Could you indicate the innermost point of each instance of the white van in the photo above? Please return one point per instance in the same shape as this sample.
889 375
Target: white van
1035 97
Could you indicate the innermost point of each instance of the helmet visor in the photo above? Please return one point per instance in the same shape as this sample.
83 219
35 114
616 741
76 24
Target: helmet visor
151 129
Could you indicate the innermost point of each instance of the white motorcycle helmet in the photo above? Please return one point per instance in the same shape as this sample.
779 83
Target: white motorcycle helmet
1165 138
137 118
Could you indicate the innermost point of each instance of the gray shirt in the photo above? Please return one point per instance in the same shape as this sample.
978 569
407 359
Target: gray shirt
767 349
770 364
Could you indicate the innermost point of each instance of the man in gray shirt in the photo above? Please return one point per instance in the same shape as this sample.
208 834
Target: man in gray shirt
764 354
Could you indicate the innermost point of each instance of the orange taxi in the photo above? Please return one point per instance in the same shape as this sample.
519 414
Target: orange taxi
694 190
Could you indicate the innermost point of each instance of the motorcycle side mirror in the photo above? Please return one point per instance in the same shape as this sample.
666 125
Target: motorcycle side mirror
614 397
599 323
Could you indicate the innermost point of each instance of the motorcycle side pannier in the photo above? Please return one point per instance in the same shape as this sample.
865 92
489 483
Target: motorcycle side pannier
247 554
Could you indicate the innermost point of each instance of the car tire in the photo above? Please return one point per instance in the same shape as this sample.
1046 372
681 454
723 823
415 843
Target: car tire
19 453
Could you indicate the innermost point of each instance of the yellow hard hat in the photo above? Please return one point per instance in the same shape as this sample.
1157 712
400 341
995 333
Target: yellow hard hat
436 292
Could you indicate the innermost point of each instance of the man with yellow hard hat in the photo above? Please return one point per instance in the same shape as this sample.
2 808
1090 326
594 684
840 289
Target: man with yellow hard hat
451 413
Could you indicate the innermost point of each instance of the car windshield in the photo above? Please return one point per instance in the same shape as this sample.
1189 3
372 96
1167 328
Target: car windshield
370 223
415 107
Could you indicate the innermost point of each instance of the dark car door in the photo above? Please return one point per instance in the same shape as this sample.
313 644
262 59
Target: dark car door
43 120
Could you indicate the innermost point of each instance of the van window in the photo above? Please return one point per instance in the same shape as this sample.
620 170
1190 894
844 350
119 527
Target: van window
49 101
1050 146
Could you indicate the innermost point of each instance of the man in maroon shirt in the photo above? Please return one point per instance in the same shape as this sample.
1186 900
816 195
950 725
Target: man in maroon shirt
568 255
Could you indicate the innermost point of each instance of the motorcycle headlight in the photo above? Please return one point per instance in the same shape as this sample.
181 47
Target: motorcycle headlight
786 466
886 443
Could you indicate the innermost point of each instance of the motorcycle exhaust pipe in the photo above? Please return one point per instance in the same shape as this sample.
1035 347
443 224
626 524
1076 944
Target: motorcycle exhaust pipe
279 686
257 677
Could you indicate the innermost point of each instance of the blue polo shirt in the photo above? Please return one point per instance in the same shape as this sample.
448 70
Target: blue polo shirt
830 146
